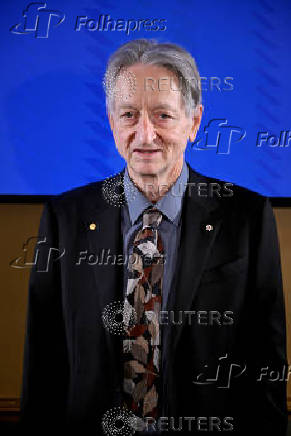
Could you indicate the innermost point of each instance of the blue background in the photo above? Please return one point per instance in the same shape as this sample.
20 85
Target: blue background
54 134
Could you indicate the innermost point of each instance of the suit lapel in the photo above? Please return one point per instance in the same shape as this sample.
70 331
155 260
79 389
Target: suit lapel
106 239
108 277
195 245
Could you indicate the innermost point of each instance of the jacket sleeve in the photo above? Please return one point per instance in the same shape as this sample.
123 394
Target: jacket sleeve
45 362
268 343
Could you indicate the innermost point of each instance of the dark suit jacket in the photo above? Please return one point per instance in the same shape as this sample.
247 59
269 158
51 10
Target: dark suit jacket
72 371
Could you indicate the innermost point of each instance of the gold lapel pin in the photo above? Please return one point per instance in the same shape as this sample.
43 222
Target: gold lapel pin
209 227
92 226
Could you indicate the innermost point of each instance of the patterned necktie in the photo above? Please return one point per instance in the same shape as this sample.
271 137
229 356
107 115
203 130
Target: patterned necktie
142 344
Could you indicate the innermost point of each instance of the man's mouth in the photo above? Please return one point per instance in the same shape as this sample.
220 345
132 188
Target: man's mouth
146 152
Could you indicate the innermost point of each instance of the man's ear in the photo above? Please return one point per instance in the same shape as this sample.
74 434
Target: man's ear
196 120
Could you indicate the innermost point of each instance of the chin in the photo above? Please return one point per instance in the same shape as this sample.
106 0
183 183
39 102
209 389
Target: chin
148 168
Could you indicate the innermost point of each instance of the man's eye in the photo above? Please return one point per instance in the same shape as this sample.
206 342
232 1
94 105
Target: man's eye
127 115
165 116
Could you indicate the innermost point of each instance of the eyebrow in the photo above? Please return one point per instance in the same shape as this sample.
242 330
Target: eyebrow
164 106
157 107
126 106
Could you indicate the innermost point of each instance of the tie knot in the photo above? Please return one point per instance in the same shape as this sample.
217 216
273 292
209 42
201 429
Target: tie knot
152 217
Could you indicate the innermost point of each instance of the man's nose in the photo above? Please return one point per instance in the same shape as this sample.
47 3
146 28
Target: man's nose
145 130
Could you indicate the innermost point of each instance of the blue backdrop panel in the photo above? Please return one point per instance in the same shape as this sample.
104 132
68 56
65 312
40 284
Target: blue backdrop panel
54 134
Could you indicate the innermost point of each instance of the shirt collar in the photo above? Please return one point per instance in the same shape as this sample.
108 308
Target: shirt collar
170 204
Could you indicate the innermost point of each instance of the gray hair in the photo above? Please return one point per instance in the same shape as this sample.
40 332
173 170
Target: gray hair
148 51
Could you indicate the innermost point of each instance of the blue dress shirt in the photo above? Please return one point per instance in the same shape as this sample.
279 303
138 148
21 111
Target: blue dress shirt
169 229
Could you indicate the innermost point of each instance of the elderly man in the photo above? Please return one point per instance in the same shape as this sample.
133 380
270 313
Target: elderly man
184 332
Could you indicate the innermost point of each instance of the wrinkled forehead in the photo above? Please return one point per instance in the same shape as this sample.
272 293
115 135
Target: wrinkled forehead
147 84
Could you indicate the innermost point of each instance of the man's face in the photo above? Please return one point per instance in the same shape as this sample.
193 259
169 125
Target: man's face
149 124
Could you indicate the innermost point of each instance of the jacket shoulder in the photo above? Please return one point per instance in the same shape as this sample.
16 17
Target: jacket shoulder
84 197
228 195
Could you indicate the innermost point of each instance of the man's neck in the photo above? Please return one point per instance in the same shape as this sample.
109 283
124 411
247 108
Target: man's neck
154 187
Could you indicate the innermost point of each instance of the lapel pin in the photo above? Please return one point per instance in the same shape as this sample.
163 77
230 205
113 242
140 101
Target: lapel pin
209 227
92 226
